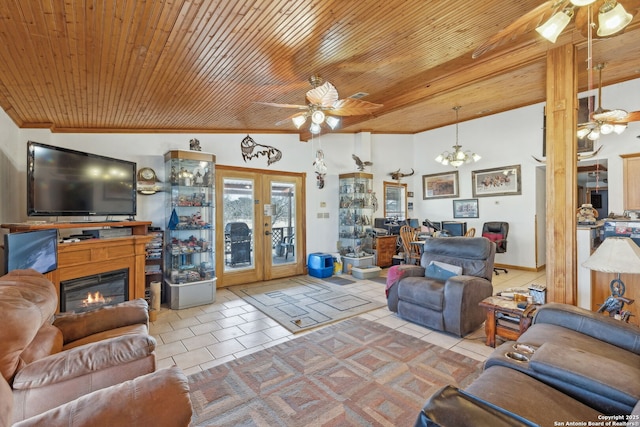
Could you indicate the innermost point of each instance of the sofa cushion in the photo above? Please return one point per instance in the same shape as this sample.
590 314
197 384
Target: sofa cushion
48 341
27 301
597 374
532 399
541 333
422 292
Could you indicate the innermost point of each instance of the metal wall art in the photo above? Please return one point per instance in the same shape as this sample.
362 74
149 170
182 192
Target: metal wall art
320 167
248 146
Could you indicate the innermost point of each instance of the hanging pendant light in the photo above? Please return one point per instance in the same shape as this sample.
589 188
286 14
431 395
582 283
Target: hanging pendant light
457 157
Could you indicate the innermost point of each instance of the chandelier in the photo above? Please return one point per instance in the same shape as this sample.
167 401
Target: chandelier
457 157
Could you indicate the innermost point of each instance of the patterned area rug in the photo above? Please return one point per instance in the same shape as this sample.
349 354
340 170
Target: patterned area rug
303 302
353 373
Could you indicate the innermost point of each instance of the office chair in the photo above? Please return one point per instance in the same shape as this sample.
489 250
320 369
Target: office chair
497 232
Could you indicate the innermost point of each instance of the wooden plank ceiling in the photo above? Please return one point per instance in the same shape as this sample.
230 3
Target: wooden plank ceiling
202 65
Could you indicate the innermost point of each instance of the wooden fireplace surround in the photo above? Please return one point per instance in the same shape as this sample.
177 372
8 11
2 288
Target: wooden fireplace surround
95 256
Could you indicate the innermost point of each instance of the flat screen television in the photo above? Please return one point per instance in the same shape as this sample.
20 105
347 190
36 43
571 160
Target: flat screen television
64 182
31 249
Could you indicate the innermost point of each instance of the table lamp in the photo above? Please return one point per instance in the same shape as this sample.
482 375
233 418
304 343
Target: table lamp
615 255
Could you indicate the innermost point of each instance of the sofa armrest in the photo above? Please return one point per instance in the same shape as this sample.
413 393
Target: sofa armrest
75 326
158 399
590 323
394 275
84 360
461 310
451 406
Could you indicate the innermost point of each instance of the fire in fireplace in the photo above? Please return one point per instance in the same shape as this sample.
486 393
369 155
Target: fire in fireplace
91 292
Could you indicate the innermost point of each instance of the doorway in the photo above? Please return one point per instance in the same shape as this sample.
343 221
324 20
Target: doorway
261 215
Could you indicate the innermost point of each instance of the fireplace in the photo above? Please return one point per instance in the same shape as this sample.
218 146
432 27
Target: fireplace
91 292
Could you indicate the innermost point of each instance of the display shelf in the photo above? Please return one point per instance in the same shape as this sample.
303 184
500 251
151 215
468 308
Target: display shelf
189 238
355 215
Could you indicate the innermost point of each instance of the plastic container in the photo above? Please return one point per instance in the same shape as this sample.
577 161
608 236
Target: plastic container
320 265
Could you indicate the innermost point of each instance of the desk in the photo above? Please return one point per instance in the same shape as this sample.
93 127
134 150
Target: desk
505 319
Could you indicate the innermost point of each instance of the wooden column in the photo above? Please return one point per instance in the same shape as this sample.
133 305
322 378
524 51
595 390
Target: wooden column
561 113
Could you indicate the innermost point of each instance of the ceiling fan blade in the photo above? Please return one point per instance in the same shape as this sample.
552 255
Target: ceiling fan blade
353 107
324 95
526 23
633 116
273 104
288 119
610 115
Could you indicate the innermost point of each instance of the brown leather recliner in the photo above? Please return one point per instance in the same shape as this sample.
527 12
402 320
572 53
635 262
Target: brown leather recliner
48 362
159 399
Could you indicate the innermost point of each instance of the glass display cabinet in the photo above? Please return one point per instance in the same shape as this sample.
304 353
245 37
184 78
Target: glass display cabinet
357 204
190 277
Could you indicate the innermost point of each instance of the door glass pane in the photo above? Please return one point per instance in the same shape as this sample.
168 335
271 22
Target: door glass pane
283 220
238 219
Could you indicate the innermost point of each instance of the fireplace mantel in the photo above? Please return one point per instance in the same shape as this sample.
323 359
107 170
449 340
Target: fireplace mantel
94 256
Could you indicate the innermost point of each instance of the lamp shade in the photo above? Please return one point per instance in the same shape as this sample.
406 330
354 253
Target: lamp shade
612 19
551 29
615 255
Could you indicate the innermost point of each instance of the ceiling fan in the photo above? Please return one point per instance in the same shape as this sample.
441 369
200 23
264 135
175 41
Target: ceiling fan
604 122
551 17
323 104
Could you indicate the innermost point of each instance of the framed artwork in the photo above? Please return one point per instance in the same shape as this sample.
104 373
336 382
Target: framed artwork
440 185
504 181
465 208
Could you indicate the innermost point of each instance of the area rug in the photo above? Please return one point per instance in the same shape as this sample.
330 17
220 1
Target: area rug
353 373
303 302
338 280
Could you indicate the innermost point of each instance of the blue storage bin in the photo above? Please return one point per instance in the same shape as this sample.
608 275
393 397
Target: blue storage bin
320 265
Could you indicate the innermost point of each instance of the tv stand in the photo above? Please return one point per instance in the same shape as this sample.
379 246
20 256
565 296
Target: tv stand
95 256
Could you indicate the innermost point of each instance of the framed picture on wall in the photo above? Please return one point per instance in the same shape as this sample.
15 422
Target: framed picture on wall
465 208
440 185
504 181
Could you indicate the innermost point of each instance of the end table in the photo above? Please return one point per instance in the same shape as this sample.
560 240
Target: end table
505 319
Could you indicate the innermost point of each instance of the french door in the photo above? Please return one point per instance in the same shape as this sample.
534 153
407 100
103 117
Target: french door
259 225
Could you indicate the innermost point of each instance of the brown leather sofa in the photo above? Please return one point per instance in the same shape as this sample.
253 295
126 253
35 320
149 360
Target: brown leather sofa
49 360
159 399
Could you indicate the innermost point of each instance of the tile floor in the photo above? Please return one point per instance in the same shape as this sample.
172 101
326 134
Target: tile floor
198 338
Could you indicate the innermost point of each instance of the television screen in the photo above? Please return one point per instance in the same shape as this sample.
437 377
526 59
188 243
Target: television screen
61 182
31 249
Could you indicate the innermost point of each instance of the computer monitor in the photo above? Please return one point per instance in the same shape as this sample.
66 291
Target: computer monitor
31 249
455 228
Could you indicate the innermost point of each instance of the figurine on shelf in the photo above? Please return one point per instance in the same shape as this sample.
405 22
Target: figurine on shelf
194 145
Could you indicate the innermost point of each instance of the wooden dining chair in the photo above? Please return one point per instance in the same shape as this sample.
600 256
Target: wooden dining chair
470 232
411 250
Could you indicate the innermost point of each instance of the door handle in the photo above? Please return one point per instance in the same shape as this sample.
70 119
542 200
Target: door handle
267 233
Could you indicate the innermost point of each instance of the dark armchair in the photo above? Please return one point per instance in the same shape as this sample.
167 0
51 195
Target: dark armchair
426 296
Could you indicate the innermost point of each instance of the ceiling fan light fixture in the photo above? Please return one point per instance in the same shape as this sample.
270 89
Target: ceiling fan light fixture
594 134
298 121
606 128
612 17
314 128
582 2
551 29
583 132
619 128
317 117
332 122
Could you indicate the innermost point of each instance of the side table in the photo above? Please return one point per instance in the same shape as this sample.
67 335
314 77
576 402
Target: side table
505 319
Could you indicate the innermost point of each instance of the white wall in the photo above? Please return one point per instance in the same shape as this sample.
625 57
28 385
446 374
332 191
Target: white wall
502 139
